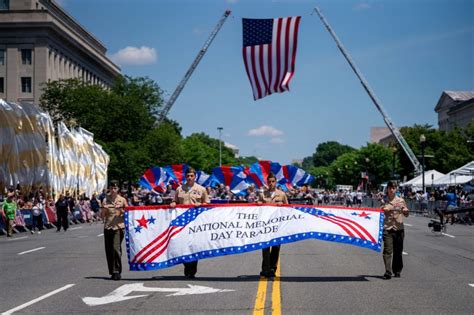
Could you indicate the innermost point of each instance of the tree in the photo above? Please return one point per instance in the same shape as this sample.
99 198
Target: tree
327 152
246 160
323 176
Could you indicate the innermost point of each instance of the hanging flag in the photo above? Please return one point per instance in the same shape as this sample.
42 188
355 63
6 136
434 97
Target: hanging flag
158 237
269 51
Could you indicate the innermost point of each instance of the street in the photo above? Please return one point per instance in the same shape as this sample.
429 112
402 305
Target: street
66 272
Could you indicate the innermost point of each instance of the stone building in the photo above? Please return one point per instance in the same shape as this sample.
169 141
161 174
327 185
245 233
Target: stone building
40 42
455 109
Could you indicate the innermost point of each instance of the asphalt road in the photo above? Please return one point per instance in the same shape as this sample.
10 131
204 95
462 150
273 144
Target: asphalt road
66 272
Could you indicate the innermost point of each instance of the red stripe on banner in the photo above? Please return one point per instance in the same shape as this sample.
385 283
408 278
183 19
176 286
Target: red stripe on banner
150 244
277 49
254 69
342 226
262 69
293 54
165 246
359 233
137 208
361 228
157 246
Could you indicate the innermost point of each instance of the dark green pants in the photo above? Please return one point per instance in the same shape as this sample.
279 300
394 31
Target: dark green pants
9 226
113 249
392 250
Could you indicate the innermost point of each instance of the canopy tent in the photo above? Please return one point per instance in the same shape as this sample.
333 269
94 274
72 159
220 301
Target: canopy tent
459 176
430 177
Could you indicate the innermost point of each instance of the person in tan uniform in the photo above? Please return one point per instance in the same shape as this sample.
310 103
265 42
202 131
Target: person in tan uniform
190 193
112 211
270 255
395 209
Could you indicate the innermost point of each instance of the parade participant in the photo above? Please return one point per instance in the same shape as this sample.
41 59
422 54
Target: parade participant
190 193
9 212
270 254
62 210
112 211
394 209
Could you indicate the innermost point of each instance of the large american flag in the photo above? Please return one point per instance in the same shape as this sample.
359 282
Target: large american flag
269 51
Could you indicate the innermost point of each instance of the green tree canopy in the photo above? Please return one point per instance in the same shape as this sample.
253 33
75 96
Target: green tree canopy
327 152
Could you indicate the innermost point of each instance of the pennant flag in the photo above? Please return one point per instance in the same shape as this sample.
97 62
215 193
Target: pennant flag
297 176
258 172
232 176
278 170
269 51
155 178
159 237
205 179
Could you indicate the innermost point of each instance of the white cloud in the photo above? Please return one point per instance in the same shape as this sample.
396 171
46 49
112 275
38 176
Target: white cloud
135 56
277 140
362 6
265 131
231 146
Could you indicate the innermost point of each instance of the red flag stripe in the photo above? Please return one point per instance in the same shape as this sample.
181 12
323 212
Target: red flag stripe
152 258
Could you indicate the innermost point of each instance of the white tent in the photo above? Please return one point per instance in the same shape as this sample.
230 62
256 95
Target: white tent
430 177
459 176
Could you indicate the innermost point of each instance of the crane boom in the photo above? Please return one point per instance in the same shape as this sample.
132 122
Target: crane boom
396 133
193 67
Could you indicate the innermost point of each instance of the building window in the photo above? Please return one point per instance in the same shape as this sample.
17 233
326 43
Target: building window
26 85
4 4
2 85
2 57
26 56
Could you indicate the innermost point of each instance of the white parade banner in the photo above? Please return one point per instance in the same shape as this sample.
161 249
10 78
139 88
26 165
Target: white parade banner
159 236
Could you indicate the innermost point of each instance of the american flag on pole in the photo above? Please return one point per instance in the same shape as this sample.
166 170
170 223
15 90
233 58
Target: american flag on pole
269 51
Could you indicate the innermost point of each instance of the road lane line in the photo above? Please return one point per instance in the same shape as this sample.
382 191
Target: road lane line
471 284
408 224
276 295
449 235
259 308
17 238
76 228
22 306
404 253
100 235
31 250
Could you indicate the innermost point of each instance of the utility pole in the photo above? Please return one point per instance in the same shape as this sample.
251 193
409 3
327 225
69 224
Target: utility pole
220 145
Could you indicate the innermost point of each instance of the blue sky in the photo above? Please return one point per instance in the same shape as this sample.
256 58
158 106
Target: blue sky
409 52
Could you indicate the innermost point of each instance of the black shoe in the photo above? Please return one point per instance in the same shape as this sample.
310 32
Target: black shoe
267 274
58 230
397 275
116 276
190 276
387 276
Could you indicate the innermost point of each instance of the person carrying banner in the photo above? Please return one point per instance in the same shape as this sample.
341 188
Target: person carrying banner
190 193
9 212
112 211
394 209
270 255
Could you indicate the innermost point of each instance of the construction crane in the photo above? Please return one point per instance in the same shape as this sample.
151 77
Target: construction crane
395 132
191 69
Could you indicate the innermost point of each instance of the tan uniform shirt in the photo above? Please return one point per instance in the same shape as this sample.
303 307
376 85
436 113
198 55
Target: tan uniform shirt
191 195
113 216
393 214
276 196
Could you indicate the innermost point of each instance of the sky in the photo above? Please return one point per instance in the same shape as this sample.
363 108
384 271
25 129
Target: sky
408 51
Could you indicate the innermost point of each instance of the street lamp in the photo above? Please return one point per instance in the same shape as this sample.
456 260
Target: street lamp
422 142
220 145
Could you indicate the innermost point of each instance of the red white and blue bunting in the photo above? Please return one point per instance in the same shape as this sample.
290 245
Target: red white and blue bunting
159 237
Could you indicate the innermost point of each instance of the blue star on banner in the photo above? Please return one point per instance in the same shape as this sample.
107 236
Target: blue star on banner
151 220
138 229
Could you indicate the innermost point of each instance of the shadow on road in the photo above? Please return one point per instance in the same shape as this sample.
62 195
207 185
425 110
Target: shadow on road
247 278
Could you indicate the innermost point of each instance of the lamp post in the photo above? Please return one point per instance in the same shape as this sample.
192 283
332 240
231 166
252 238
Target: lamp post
220 145
422 142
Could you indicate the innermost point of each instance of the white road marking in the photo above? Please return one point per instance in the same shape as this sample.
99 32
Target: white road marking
471 284
31 250
100 235
120 294
408 224
449 235
17 238
76 228
22 306
404 253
